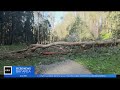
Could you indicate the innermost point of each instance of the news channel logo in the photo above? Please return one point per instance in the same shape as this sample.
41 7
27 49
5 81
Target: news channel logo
7 70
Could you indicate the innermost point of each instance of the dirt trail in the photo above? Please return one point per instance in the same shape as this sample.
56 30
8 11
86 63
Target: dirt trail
64 67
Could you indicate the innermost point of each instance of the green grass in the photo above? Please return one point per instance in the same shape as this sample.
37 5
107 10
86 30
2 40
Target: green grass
29 61
7 48
98 61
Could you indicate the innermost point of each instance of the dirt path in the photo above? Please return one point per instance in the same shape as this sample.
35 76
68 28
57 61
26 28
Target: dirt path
64 67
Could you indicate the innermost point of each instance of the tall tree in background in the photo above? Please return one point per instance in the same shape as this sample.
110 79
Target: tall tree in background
43 30
28 32
13 24
1 26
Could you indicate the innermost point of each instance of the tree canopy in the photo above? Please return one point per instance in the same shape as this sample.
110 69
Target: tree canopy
22 27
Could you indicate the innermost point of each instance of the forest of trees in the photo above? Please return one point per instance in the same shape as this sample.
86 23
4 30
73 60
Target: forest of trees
88 26
18 27
15 27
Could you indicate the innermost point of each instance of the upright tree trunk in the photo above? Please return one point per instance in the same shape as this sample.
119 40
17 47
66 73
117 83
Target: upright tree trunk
38 28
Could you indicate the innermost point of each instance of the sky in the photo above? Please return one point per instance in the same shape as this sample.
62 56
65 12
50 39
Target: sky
56 14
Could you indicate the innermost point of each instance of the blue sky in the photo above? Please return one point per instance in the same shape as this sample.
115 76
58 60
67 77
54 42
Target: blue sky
58 15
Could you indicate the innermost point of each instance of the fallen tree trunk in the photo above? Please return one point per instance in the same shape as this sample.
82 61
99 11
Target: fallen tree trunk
83 45
58 46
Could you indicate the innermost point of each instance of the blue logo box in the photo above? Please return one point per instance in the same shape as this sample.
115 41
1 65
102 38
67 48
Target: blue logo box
22 71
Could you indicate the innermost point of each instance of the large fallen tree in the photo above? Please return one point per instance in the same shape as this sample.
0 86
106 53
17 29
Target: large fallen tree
83 45
60 46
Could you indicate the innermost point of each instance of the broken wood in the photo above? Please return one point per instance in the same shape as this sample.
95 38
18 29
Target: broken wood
83 45
58 48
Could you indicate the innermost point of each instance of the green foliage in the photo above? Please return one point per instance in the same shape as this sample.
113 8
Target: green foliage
114 19
78 31
13 47
75 26
94 26
100 61
105 36
60 30
74 30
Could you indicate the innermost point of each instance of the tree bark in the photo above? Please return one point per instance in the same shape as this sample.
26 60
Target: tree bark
58 46
83 45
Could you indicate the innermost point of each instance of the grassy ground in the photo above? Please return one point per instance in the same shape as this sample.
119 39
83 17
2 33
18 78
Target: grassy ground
7 48
98 61
29 61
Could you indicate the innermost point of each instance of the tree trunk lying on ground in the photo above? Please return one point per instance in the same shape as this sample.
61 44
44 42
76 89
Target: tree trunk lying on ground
83 45
59 45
